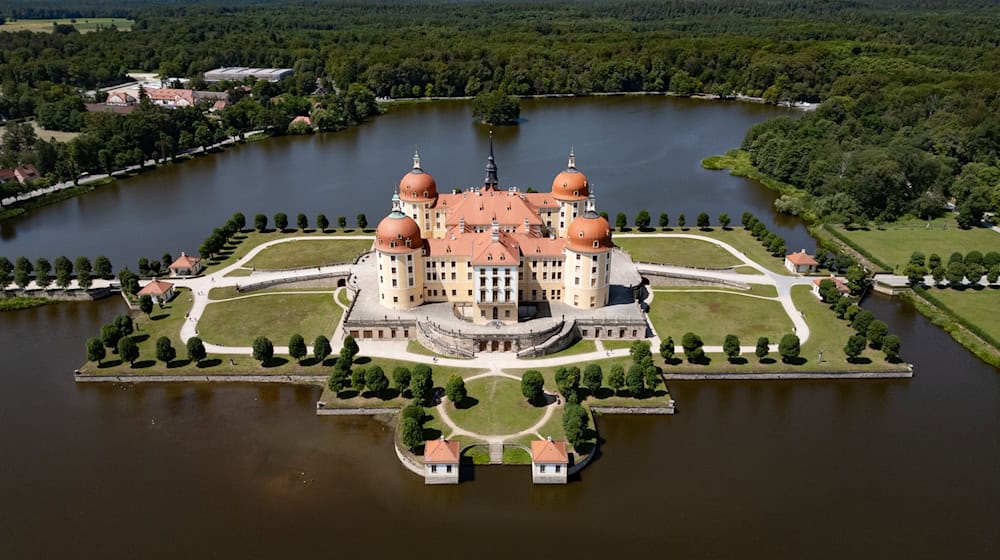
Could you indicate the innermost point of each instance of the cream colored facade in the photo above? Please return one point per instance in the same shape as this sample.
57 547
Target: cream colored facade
488 251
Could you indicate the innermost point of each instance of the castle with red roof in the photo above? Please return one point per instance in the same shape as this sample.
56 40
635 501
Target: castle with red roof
489 249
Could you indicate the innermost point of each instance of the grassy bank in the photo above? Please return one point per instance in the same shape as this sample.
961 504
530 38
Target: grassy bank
679 251
713 315
955 324
17 303
238 322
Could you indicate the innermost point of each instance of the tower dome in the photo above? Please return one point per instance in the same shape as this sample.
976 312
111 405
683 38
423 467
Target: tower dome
570 185
397 232
417 185
589 233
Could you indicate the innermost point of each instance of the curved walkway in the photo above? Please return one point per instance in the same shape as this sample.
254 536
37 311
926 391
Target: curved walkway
457 430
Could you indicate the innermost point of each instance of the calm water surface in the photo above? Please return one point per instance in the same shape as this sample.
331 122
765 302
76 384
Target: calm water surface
640 153
861 469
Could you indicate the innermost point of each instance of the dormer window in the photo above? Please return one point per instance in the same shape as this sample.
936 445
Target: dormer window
392 244
576 193
580 234
596 244
409 240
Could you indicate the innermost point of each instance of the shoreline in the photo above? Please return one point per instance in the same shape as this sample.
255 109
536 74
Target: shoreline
17 206
941 317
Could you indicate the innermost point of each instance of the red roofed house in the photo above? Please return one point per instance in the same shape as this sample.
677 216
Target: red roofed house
121 98
441 458
26 173
186 266
549 462
160 291
841 286
169 97
801 262
7 175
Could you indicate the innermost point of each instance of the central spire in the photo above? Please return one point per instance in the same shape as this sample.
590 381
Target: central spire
572 159
491 180
416 160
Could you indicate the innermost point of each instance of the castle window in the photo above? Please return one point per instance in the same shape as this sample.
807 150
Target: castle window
395 299
392 244
596 244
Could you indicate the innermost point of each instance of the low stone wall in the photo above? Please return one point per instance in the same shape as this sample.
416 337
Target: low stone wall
290 379
669 409
60 294
659 278
324 411
797 375
252 286
557 342
407 462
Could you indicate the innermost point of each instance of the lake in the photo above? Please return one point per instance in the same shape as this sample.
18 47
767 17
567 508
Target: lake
825 469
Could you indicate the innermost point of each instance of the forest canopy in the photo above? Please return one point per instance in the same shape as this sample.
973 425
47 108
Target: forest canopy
908 87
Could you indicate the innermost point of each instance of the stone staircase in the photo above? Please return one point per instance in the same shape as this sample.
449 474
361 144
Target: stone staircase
496 452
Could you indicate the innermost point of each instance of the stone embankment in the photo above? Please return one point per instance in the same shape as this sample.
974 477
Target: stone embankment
290 379
907 374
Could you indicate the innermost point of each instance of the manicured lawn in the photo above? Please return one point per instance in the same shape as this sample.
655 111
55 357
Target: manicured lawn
239 272
303 253
238 322
581 347
81 24
736 236
243 242
677 251
713 315
616 344
981 307
894 243
763 290
229 292
516 456
344 298
497 407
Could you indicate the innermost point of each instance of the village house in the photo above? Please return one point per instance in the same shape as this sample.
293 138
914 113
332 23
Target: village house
801 262
441 458
22 174
186 266
549 462
161 292
840 283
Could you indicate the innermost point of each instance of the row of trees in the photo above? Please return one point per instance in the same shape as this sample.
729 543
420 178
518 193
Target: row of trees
770 240
971 267
260 222
643 220
59 273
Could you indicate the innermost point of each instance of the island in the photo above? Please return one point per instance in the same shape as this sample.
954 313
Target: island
493 325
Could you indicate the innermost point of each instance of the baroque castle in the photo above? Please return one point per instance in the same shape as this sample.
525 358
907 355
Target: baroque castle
493 252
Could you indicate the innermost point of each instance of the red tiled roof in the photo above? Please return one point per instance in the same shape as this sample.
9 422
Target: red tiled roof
185 261
483 207
841 285
440 451
801 258
301 119
496 253
26 172
173 95
7 174
102 108
548 451
156 288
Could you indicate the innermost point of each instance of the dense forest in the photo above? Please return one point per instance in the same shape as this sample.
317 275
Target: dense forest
910 114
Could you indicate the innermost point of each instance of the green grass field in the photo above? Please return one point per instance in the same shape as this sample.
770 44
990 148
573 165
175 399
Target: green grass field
83 25
498 407
242 243
713 315
238 322
736 236
677 251
894 243
303 253
981 307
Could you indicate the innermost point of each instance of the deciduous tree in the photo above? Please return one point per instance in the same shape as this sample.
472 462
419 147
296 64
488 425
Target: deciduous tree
731 346
789 348
146 304
763 348
297 347
376 381
280 221
128 350
593 377
401 379
667 349
890 346
855 346
195 349
260 222
321 348
616 377
412 433
532 386
321 222
455 389
263 349
95 350
165 351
